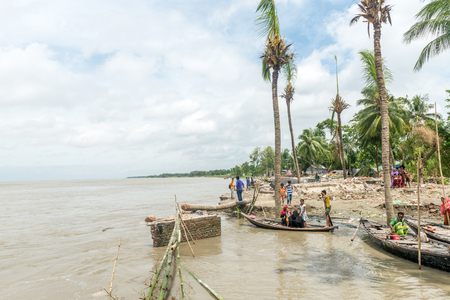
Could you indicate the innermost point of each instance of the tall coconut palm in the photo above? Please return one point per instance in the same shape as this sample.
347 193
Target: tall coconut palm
311 146
433 19
377 13
290 72
277 54
338 105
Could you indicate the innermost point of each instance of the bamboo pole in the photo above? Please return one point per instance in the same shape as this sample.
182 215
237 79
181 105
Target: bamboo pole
205 285
418 211
114 269
158 270
187 240
357 228
168 269
179 267
439 156
182 221
254 201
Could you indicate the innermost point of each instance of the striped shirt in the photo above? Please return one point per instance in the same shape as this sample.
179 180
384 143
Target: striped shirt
289 189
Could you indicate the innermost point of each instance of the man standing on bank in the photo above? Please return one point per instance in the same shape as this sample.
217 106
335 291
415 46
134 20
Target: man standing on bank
239 188
231 187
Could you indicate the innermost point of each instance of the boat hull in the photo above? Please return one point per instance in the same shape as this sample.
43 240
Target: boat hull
263 223
433 260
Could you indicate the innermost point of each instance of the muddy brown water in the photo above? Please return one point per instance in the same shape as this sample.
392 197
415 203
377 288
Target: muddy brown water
52 246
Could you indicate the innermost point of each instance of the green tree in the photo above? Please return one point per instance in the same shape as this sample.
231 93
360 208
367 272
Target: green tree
237 171
290 72
311 146
268 159
418 108
433 19
377 13
245 167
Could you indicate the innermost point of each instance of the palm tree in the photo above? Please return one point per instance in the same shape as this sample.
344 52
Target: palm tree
275 56
376 12
268 26
418 108
290 72
338 105
434 19
368 120
311 146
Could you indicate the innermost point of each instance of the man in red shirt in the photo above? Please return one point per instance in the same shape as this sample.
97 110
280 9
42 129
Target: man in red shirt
445 209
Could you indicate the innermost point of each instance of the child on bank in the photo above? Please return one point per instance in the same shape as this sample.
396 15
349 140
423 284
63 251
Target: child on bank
282 193
289 192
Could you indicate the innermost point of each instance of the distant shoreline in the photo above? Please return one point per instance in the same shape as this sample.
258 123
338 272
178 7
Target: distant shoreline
174 176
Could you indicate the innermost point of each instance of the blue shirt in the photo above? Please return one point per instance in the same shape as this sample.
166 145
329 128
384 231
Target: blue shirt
239 185
289 189
248 181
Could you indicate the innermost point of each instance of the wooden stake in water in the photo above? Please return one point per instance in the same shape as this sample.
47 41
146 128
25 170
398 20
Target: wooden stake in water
114 269
439 156
418 210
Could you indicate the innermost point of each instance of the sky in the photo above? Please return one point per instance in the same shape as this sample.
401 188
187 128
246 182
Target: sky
111 89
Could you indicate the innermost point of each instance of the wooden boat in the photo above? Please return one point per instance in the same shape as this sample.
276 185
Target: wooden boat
434 254
276 225
432 230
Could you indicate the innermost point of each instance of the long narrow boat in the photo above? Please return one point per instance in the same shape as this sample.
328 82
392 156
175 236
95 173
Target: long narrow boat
434 254
274 224
432 230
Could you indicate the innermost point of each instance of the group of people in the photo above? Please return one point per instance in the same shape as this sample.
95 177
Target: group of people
286 191
299 219
240 186
400 178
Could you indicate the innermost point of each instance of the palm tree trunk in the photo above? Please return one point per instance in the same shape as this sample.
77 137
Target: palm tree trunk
341 145
294 152
311 166
385 147
276 116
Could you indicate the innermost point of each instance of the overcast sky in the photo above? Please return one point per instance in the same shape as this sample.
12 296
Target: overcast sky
110 89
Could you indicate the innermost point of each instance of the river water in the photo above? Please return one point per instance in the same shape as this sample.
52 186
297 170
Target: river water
52 246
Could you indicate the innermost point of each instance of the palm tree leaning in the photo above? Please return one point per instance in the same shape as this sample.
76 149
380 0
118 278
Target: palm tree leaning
338 105
434 19
311 146
290 72
376 12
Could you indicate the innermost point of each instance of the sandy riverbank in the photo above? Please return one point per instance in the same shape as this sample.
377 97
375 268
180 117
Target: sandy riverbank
352 199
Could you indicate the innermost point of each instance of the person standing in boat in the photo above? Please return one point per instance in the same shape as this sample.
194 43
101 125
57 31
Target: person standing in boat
445 209
398 225
239 188
326 202
231 187
303 214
